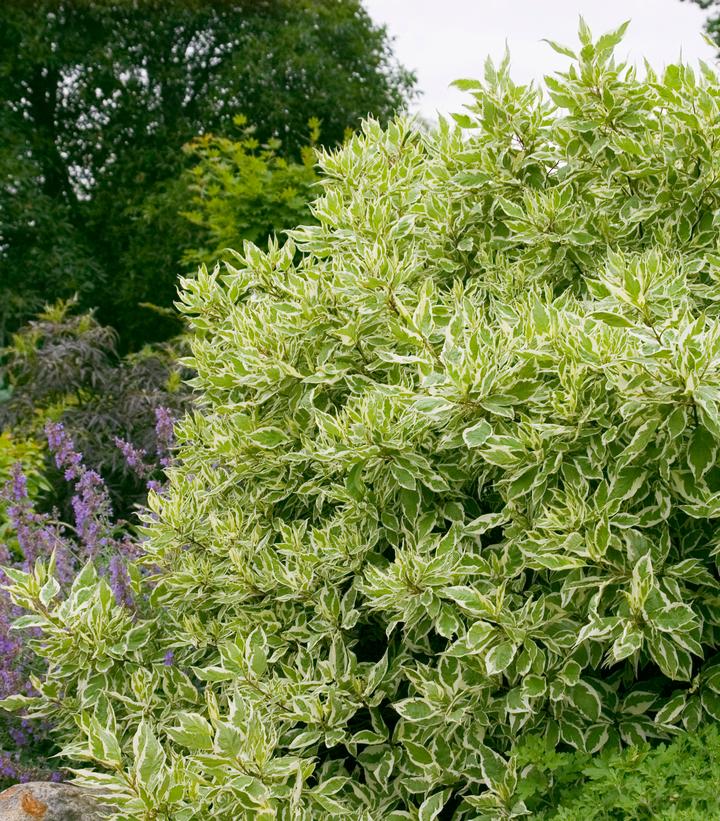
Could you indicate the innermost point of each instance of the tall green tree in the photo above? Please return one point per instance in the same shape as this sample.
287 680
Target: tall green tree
98 97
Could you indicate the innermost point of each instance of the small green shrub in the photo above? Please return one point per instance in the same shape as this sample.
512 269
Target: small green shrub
677 780
452 479
241 190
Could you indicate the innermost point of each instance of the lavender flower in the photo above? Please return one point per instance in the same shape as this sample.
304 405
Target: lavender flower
165 432
134 457
61 445
39 535
92 510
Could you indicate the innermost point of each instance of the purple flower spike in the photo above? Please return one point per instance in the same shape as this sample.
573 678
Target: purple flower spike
61 445
165 432
134 457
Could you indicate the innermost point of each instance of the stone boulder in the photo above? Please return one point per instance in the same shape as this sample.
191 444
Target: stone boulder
47 801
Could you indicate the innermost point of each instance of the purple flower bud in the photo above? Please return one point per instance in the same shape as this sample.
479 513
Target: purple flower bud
19 490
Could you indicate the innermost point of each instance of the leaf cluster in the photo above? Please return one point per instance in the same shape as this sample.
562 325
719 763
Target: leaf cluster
242 190
671 780
64 366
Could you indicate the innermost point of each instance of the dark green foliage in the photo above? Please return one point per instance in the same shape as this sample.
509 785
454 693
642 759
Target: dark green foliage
677 780
98 96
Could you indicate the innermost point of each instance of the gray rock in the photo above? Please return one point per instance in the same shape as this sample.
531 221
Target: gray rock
47 801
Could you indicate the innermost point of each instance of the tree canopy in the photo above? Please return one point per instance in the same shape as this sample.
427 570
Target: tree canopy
100 95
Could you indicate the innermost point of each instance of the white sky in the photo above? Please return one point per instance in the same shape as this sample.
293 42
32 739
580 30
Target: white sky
443 40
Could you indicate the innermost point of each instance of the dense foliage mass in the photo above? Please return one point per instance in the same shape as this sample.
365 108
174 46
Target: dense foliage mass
242 190
664 782
451 482
63 367
98 98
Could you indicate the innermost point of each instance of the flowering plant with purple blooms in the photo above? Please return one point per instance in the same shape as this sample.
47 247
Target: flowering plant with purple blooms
94 535
64 367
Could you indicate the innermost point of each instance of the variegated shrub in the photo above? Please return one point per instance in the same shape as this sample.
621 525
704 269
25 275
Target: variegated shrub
452 479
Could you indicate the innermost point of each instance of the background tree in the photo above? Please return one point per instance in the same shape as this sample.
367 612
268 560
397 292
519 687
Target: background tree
712 24
98 98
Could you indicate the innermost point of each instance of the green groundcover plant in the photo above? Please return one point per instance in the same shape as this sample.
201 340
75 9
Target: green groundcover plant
676 780
451 482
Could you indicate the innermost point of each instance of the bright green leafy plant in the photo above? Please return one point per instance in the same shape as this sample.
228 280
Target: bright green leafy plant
676 780
452 480
242 190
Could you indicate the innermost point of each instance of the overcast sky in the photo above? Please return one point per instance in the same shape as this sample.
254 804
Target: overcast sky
443 40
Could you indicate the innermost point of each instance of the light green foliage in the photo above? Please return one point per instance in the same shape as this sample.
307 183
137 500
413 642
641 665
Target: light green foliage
241 190
452 480
29 454
643 783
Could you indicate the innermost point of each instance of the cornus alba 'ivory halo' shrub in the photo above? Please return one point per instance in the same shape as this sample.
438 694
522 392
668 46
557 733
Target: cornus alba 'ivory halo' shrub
452 479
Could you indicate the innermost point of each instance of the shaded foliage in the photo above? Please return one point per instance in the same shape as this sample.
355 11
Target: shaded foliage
98 98
63 366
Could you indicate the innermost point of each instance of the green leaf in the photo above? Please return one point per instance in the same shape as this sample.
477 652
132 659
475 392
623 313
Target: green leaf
466 85
433 405
477 434
534 686
414 709
672 710
464 121
500 657
674 617
701 452
615 320
149 757
16 702
49 590
560 49
192 731
417 753
493 765
268 438
587 700
711 703
402 476
432 806
471 600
